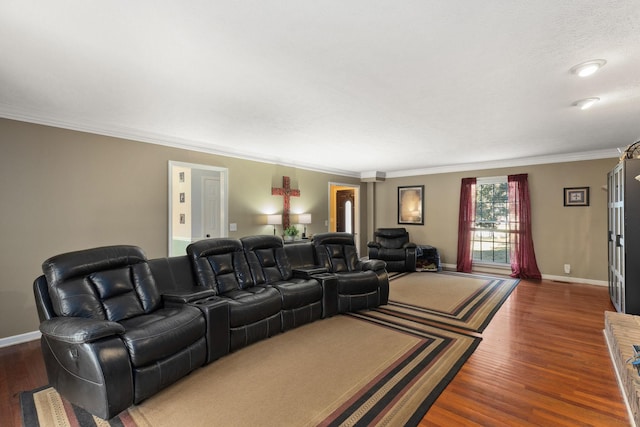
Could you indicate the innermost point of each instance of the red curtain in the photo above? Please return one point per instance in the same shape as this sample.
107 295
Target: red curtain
465 223
523 257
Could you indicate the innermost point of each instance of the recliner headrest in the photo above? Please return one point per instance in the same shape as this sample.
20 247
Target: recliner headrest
337 238
252 243
84 262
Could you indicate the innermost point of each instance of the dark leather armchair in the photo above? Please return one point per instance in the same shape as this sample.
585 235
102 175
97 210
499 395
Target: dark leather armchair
361 285
254 309
107 339
392 245
301 297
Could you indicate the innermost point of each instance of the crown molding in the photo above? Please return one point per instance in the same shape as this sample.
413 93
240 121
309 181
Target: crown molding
525 161
137 135
115 131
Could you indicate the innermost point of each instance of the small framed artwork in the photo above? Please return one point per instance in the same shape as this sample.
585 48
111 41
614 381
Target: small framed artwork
183 218
576 196
181 197
411 205
181 177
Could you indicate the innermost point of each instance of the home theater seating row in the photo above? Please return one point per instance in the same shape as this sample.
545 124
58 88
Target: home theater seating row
117 328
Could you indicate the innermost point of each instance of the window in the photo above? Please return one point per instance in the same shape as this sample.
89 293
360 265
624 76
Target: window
347 216
490 229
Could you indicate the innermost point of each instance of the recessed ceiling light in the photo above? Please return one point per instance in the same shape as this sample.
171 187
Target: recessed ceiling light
587 68
586 103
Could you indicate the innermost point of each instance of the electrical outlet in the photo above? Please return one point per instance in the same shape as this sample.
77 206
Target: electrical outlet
233 226
567 269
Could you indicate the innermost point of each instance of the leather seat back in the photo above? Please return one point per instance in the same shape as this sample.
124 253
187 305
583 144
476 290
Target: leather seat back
43 301
301 255
336 252
173 273
220 264
106 283
392 238
267 259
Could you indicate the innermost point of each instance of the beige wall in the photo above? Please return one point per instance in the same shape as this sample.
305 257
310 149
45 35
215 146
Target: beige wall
562 235
63 190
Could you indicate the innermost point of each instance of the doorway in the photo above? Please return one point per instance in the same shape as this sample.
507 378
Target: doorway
344 210
198 204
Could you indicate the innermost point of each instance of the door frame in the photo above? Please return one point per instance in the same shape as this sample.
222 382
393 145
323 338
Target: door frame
173 212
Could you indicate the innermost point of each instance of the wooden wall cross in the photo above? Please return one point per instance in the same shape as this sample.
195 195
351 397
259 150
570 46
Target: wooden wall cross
286 192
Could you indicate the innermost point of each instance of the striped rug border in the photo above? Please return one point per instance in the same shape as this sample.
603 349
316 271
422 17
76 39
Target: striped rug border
469 306
448 338
75 416
384 396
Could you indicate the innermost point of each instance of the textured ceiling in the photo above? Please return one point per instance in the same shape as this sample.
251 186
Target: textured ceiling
347 86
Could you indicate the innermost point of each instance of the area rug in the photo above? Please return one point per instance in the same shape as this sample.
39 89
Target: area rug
345 370
462 301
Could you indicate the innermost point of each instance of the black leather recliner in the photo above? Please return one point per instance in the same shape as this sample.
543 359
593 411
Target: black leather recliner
392 245
107 339
254 309
301 297
361 284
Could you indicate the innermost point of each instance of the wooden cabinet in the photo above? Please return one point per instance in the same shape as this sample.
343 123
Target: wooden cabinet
624 236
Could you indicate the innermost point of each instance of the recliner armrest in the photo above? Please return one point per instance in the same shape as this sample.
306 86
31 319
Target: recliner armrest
373 245
216 314
308 272
78 330
373 264
187 296
409 245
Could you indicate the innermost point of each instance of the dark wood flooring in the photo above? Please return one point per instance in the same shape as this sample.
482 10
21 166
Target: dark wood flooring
543 361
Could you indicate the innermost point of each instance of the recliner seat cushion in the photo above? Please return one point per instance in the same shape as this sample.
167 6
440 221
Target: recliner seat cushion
251 305
152 337
298 293
392 254
357 282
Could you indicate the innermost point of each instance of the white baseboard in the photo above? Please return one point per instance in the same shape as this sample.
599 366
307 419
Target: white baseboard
575 280
19 339
566 279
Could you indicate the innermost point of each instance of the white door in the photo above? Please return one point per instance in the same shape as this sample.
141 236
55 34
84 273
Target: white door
211 207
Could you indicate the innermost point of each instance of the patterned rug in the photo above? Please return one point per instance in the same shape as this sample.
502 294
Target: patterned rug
352 369
459 301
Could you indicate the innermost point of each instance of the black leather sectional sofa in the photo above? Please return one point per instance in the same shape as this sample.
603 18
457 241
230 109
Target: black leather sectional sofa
117 327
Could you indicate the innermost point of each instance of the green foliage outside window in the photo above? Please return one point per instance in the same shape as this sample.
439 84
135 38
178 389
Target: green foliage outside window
491 237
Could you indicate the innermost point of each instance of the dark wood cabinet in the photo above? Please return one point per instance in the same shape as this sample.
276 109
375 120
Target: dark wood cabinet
623 205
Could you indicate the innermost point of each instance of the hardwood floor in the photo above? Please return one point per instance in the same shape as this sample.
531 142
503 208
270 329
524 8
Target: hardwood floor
21 368
543 361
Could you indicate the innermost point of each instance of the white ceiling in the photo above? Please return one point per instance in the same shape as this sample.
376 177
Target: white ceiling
349 86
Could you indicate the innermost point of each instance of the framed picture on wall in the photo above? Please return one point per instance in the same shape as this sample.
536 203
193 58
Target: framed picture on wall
576 196
411 205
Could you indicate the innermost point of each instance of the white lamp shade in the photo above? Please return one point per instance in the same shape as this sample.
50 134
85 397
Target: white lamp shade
274 219
304 218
